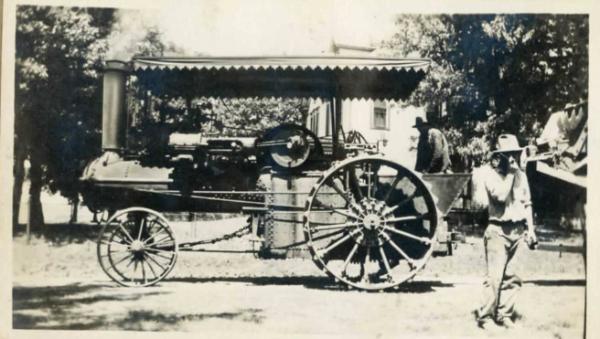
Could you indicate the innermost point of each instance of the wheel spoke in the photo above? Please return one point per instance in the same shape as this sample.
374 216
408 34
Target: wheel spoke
384 258
338 242
375 183
166 239
319 223
149 224
354 181
142 222
119 239
135 266
160 251
389 210
123 259
405 218
408 235
350 255
345 213
143 272
154 235
161 256
150 266
117 251
112 243
410 260
392 188
165 246
125 232
328 235
156 262
364 276
131 261
369 179
114 237
334 226
340 191
156 223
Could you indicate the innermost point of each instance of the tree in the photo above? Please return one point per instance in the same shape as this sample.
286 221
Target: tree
252 117
57 99
241 117
496 73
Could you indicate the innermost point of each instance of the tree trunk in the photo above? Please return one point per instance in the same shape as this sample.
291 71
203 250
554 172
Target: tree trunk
36 214
19 174
74 209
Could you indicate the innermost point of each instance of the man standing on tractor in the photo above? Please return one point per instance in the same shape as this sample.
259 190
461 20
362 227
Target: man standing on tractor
432 150
502 187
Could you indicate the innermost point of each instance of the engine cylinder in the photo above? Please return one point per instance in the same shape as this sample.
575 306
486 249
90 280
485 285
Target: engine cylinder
114 118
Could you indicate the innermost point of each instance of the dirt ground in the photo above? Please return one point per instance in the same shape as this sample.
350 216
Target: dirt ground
57 284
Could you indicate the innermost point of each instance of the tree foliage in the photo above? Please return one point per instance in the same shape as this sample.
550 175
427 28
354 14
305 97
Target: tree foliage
496 73
178 110
240 117
59 57
254 116
58 54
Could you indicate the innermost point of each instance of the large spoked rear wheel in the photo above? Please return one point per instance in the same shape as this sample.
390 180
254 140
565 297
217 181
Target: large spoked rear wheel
136 247
370 223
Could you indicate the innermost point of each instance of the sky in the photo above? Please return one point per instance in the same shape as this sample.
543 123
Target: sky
233 27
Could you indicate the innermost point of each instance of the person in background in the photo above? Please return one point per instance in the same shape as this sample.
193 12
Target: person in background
502 187
432 149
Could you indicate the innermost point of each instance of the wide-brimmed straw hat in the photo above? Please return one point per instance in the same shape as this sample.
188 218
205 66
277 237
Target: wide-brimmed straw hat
507 143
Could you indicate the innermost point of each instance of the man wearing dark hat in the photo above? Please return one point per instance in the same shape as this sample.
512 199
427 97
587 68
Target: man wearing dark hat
432 150
503 188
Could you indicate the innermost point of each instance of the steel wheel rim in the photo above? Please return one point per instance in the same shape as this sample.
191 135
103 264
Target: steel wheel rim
368 210
144 258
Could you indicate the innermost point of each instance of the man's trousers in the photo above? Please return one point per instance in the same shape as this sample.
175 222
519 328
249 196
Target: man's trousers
501 240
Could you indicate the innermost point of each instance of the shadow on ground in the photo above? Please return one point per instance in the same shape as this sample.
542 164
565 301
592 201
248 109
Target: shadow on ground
96 306
68 296
101 306
60 307
312 282
557 282
133 320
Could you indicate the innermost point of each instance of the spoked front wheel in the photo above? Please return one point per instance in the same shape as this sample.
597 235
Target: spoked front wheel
370 223
136 247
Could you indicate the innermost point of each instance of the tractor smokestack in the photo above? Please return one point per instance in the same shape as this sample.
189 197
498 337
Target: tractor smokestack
114 118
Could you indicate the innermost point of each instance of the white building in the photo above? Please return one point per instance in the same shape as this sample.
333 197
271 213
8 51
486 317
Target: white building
388 123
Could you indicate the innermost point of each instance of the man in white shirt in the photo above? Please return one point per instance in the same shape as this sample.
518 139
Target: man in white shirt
504 190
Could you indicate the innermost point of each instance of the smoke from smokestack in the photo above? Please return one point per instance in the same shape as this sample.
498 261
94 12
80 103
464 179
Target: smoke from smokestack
129 32
232 27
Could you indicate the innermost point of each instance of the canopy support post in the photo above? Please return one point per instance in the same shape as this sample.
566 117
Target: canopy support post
336 118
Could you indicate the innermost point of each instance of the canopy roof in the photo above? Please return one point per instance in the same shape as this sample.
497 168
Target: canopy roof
322 76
